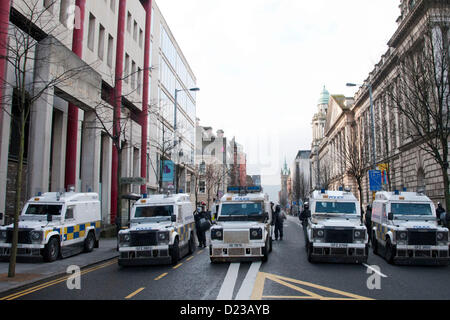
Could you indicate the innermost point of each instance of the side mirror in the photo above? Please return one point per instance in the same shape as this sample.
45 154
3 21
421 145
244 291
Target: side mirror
390 216
49 218
173 218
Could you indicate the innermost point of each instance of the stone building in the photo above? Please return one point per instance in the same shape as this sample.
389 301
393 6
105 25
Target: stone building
402 155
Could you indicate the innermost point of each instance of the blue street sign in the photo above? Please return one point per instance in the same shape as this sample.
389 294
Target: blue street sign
167 171
375 180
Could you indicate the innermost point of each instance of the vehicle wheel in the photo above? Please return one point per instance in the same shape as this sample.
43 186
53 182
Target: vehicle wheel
89 242
191 244
309 249
374 244
265 252
51 250
175 252
390 251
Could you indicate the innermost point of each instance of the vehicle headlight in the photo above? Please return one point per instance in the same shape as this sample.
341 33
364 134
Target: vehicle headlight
318 233
124 238
255 234
163 236
36 235
217 234
402 235
442 236
359 234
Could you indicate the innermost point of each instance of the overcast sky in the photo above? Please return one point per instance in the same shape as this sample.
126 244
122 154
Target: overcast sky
261 65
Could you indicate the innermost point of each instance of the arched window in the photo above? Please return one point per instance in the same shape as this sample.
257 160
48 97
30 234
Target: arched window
421 179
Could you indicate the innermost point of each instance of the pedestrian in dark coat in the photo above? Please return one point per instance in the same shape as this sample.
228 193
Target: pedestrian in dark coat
201 232
368 221
441 215
304 216
279 217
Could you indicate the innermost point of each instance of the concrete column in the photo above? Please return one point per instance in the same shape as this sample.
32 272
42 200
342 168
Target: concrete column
40 142
91 140
106 179
58 156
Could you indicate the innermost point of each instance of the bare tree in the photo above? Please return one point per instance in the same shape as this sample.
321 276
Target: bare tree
29 52
421 92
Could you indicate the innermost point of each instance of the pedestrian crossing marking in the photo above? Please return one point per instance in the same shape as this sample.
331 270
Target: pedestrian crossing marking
298 285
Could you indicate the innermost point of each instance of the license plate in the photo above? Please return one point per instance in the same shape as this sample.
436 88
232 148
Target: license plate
339 245
422 247
143 248
235 245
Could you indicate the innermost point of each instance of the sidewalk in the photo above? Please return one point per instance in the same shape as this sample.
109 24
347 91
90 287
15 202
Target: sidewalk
30 270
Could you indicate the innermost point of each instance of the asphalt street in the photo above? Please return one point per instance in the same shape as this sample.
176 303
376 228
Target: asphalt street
287 275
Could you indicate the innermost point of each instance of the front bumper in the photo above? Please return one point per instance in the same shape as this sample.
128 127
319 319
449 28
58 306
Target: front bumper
244 252
23 250
349 253
131 256
413 255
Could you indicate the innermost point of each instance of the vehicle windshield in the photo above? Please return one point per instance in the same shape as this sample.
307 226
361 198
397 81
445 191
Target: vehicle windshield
241 211
335 207
44 209
411 209
153 211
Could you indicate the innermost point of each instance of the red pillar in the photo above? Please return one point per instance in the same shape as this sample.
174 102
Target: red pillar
72 114
117 101
144 113
5 7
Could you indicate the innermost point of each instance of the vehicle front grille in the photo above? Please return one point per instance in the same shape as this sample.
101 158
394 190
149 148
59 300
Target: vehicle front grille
236 252
236 236
143 238
427 238
339 236
24 236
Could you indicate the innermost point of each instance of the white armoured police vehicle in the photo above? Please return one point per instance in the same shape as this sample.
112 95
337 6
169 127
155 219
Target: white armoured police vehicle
161 230
404 226
56 225
243 229
334 231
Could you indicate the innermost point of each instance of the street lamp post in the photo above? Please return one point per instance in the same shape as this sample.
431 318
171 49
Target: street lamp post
374 154
175 142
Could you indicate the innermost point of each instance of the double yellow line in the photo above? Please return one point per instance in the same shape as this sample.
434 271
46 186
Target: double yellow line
56 281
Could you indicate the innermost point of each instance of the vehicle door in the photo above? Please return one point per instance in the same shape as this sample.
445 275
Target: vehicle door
69 224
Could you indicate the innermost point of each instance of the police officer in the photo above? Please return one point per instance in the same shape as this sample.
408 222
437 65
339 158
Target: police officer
304 216
440 214
279 217
201 232
368 221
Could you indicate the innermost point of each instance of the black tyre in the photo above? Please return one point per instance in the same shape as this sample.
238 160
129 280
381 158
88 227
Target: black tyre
265 252
390 252
309 249
374 244
89 242
51 250
191 244
175 255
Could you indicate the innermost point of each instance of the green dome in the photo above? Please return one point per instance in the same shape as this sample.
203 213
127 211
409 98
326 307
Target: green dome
324 96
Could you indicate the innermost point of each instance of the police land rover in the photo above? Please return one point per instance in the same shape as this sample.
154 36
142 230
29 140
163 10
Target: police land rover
243 230
334 231
161 230
55 224
405 229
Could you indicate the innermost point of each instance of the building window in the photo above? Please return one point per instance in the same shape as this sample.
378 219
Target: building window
110 50
63 11
129 22
126 70
48 5
202 186
133 75
135 30
113 5
139 82
101 42
91 32
140 37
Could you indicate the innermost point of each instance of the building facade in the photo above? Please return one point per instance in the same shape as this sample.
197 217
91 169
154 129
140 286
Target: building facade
401 155
90 128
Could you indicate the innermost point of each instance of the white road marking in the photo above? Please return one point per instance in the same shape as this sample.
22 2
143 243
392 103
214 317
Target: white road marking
226 291
374 270
246 289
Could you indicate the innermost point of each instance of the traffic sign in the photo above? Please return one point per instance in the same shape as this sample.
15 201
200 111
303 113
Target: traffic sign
375 180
